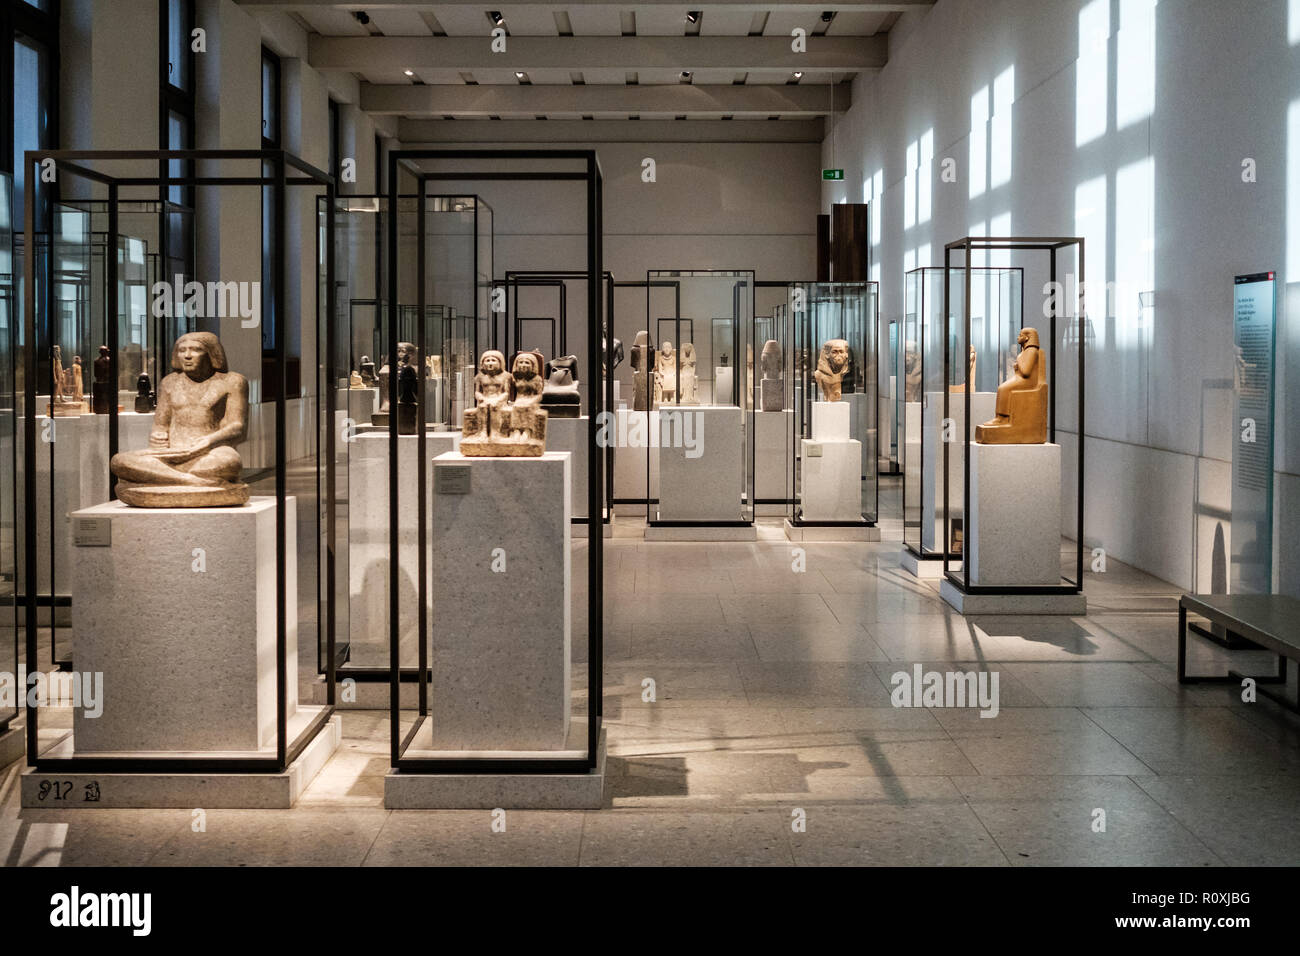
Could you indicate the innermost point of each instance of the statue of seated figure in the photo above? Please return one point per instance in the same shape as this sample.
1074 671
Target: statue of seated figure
1022 400
508 420
202 413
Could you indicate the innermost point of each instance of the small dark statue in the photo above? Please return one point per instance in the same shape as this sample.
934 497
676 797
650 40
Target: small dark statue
407 410
101 393
144 398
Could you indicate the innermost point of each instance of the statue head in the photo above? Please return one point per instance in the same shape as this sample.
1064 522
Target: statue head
834 357
666 349
688 353
405 353
1028 338
525 365
198 355
492 362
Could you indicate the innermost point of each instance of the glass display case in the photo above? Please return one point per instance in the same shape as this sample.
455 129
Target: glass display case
551 306
891 396
770 397
1013 394
499 598
9 419
175 566
697 374
835 420
997 294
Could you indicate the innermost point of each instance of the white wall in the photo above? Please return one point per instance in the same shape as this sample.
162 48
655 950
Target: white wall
1133 137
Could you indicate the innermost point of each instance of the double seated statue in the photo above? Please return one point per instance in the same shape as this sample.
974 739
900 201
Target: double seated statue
507 420
202 414
1022 400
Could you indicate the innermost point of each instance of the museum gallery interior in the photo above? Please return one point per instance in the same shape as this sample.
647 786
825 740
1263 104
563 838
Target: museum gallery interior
854 433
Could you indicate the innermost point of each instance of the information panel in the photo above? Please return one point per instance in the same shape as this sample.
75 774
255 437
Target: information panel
1254 321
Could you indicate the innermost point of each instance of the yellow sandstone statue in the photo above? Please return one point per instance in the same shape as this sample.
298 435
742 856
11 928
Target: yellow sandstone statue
1022 400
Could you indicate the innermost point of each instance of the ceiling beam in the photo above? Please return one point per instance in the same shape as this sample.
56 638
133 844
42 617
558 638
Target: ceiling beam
825 54
421 132
759 101
860 6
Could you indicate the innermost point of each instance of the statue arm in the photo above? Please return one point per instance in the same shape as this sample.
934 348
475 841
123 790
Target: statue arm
160 434
1026 362
234 424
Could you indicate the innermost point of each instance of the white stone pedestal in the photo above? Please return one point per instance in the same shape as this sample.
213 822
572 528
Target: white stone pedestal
701 464
830 421
501 638
861 422
13 744
188 656
830 480
362 404
773 473
570 434
636 431
723 382
1015 522
928 568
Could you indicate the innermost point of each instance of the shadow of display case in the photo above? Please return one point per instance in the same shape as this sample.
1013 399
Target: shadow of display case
190 618
699 459
1021 461
997 294
835 420
511 602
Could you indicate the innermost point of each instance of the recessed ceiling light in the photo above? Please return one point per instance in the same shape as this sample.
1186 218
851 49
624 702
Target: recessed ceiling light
496 17
828 16
362 17
409 72
798 74
693 16
519 75
686 74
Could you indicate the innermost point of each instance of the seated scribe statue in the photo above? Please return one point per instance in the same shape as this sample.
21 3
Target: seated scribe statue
1022 400
832 365
202 413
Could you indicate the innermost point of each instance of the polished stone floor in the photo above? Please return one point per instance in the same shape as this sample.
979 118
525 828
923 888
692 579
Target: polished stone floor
772 709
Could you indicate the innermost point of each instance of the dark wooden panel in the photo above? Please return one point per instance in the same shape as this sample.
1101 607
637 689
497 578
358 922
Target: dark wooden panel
823 248
849 241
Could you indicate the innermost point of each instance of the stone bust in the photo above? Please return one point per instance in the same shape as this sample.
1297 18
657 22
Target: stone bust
831 366
202 414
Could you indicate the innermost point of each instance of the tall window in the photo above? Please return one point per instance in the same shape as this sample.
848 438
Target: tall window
176 96
28 114
270 140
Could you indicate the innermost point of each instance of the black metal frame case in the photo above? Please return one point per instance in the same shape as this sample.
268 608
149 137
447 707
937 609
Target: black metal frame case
9 655
286 170
810 333
482 166
1052 309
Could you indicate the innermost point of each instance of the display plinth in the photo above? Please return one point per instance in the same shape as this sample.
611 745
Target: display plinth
928 568
932 441
963 602
861 420
217 790
502 609
812 533
368 558
570 434
830 421
633 438
723 383
831 484
701 465
772 471
178 613
13 744
1015 522
507 791
362 404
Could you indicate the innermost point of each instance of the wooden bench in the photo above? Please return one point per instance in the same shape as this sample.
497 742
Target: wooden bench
1271 621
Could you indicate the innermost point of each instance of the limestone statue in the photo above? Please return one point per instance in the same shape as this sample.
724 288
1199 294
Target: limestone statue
772 387
367 370
101 390
831 367
1022 400
641 372
66 398
354 380
202 414
687 380
666 374
560 396
508 420
912 373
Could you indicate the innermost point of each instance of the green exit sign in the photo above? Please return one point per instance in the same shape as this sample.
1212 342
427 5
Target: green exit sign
832 174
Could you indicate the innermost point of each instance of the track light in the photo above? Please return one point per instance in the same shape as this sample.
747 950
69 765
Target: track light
519 75
409 72
362 17
828 16
686 74
798 74
693 16
496 17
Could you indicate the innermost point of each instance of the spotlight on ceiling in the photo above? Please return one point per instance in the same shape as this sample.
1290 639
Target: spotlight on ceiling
496 17
693 16
686 74
798 74
409 72
362 17
519 74
828 16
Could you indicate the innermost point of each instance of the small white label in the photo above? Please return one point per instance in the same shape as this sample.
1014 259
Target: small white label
88 532
814 449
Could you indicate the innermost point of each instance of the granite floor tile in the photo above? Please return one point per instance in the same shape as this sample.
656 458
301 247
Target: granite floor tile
786 683
468 838
633 837
1097 684
691 642
1085 751
299 837
887 834
796 641
1195 740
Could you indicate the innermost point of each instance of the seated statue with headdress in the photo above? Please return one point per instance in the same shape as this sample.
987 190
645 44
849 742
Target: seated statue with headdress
202 414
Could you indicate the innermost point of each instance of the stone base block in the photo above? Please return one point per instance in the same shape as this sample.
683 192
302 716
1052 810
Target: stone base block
839 532
508 791
930 569
570 434
701 532
831 482
218 791
830 421
701 464
1073 605
1015 521
13 744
